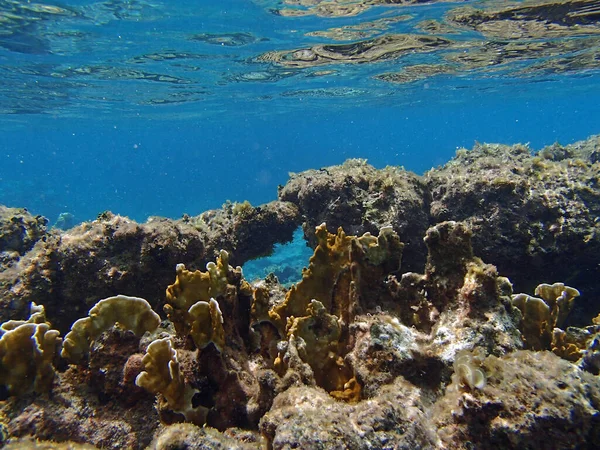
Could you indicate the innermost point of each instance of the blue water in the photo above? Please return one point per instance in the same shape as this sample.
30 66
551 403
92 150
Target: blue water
87 124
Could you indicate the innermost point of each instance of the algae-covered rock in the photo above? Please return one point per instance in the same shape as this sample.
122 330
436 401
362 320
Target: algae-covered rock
533 216
31 444
307 417
75 412
190 437
19 231
360 198
530 400
69 270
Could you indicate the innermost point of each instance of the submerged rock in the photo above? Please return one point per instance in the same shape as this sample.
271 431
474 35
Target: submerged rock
19 231
361 353
69 271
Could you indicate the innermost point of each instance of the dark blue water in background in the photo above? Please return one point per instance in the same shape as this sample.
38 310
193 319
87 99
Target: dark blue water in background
80 133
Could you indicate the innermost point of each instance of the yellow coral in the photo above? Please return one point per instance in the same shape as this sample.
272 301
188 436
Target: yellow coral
37 314
559 298
537 323
319 335
542 315
207 324
316 312
193 287
328 273
131 313
571 344
27 349
162 374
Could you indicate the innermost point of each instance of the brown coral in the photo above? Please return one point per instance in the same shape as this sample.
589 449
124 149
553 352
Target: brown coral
27 351
131 313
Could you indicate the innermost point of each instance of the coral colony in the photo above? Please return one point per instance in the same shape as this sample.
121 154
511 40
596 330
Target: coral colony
397 336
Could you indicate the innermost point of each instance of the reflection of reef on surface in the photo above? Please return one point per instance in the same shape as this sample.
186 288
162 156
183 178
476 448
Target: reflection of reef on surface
416 72
16 20
398 334
531 20
485 40
340 8
379 49
362 30
491 56
227 39
535 34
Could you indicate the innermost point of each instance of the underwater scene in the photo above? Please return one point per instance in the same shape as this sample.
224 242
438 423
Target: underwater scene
300 224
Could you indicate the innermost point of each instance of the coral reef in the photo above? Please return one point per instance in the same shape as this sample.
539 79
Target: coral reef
530 400
326 334
534 211
525 210
359 198
366 351
68 271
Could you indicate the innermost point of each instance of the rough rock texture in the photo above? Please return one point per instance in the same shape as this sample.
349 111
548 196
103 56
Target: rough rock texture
19 231
306 417
536 211
244 231
396 358
68 272
190 437
421 346
359 354
539 213
359 198
75 412
531 400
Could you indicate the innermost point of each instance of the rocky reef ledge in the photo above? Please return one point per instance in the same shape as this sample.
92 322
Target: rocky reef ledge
434 314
